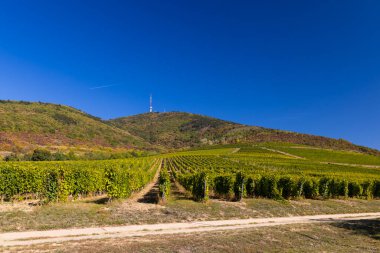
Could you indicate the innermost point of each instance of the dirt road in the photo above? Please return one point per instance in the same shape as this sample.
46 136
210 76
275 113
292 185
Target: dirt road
140 194
54 236
235 150
354 165
283 153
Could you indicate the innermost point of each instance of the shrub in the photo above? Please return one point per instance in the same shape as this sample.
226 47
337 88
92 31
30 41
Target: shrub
285 186
51 184
268 187
308 188
298 188
334 187
59 156
239 186
354 189
343 189
324 187
250 187
12 158
41 155
200 186
376 189
223 186
164 184
367 189
311 188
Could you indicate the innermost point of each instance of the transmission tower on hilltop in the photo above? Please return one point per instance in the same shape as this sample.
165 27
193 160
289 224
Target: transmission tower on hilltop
150 103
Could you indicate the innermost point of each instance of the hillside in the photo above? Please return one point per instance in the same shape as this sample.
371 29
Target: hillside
181 130
25 125
176 129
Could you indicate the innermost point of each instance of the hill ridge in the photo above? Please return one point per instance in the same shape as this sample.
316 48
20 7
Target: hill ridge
182 129
25 125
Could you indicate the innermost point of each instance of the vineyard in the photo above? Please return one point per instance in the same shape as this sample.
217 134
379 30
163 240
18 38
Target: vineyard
53 181
254 171
230 172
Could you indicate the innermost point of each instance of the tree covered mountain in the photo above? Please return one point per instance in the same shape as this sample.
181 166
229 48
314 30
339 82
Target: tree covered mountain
27 125
181 130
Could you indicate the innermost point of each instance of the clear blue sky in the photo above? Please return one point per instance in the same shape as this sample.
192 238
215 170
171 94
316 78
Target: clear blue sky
306 66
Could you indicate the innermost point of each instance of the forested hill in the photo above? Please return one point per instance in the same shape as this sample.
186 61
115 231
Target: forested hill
176 129
28 125
25 125
179 130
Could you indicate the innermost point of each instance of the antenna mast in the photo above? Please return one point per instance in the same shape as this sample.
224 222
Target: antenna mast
150 103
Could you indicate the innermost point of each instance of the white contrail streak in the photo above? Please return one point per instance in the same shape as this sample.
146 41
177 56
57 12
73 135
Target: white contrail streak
101 87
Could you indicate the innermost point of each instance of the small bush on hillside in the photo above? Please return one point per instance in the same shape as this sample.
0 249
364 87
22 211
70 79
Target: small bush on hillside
59 156
12 158
41 155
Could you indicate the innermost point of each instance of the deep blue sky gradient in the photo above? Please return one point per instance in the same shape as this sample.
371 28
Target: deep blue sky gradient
306 66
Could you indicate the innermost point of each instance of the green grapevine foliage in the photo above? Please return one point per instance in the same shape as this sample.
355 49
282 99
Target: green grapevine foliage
54 181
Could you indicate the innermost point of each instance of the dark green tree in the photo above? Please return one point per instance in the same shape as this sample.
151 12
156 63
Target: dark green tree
41 155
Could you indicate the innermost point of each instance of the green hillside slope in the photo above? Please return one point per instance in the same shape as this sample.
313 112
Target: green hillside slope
176 129
27 125
24 125
179 130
